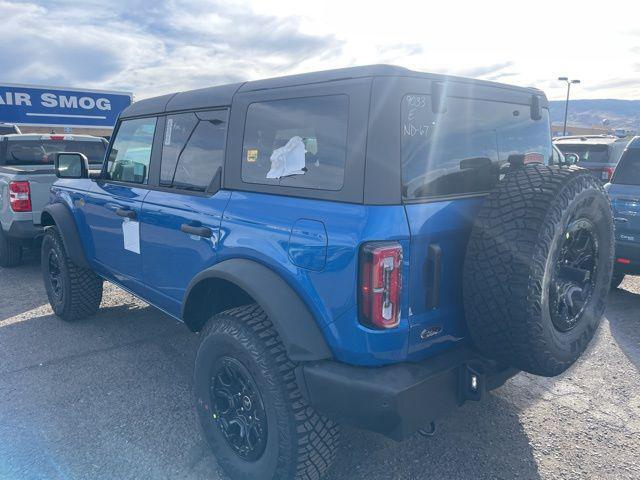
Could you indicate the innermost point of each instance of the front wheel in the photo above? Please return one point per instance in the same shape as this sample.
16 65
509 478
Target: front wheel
249 405
74 292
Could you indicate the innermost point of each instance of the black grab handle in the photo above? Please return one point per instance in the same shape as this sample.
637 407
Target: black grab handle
434 259
199 231
123 212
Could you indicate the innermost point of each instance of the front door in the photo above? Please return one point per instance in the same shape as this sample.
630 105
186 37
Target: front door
114 204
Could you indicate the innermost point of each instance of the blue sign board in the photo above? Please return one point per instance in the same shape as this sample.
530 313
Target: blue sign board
30 105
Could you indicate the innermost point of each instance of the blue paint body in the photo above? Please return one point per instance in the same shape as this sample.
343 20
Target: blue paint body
312 244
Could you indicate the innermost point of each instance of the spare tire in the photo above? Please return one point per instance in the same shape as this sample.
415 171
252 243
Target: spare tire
538 268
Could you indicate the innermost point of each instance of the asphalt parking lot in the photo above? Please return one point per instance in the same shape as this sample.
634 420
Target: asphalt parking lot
109 398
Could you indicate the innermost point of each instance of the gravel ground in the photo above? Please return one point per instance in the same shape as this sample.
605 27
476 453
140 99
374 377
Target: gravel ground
109 398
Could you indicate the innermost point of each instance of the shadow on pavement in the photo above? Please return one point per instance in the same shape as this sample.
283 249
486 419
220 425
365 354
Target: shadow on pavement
478 441
623 313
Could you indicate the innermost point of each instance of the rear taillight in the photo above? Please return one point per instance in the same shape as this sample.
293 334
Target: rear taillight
380 284
624 261
607 173
20 196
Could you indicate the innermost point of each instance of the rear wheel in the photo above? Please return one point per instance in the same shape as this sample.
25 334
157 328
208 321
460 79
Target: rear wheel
249 405
74 292
538 268
10 252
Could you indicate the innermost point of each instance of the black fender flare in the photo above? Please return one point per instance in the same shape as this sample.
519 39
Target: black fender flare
66 225
290 316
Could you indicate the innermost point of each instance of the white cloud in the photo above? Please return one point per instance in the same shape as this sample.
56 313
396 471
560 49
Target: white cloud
154 47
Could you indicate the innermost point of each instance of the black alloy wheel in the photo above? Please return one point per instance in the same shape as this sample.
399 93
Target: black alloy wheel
573 280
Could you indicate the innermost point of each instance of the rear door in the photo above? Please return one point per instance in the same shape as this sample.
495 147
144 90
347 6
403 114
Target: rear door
625 197
181 217
114 204
452 156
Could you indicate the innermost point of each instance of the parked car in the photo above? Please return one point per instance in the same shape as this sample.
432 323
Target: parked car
372 246
8 128
598 153
26 175
624 191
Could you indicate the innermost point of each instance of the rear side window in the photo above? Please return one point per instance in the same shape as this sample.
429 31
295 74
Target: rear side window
193 149
42 151
298 142
463 149
131 151
587 153
628 170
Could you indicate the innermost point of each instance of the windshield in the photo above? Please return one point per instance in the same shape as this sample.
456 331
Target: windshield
40 152
587 153
628 170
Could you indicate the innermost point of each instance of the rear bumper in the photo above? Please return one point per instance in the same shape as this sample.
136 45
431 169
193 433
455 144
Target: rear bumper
397 400
24 231
628 251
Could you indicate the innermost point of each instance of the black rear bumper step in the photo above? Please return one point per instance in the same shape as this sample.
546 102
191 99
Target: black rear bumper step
396 400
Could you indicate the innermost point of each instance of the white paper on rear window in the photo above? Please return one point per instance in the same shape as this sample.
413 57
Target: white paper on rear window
288 160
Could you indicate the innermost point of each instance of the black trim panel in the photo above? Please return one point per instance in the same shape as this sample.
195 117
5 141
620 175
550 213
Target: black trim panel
66 224
290 316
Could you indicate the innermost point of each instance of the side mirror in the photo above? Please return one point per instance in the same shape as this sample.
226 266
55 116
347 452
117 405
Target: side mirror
571 158
71 165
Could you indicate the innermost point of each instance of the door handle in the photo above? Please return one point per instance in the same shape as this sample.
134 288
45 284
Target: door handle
620 220
205 232
123 212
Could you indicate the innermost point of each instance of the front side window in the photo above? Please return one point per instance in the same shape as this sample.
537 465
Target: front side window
463 149
298 142
193 149
131 151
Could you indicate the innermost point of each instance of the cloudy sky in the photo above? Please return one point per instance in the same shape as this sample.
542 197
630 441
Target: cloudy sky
154 47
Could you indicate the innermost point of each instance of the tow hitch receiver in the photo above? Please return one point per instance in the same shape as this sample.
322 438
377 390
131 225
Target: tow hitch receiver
471 384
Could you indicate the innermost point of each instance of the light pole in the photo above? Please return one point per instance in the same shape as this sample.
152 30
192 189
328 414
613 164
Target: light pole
566 106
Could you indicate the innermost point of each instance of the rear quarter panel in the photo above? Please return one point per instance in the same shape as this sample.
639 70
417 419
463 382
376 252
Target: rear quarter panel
259 227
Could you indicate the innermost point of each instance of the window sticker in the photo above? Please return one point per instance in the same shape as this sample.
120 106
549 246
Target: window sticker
252 155
288 160
168 131
131 235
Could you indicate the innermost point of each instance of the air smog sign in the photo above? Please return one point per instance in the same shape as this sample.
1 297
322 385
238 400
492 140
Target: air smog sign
30 105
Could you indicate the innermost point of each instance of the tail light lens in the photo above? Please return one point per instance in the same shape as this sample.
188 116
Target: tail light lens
380 284
607 173
20 196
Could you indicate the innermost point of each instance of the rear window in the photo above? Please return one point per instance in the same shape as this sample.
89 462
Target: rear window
298 142
41 152
8 129
462 150
628 170
587 153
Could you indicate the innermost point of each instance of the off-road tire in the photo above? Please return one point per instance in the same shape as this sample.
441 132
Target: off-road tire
81 288
301 443
616 280
10 252
511 255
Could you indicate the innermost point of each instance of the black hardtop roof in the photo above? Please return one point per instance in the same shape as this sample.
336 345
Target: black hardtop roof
222 95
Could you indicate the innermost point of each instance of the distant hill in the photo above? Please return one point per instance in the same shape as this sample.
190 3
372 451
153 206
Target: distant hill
589 113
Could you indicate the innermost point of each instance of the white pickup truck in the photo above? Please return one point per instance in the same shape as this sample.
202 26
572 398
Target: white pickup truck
26 175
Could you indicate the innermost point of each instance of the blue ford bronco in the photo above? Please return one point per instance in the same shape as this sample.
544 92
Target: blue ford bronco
371 245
